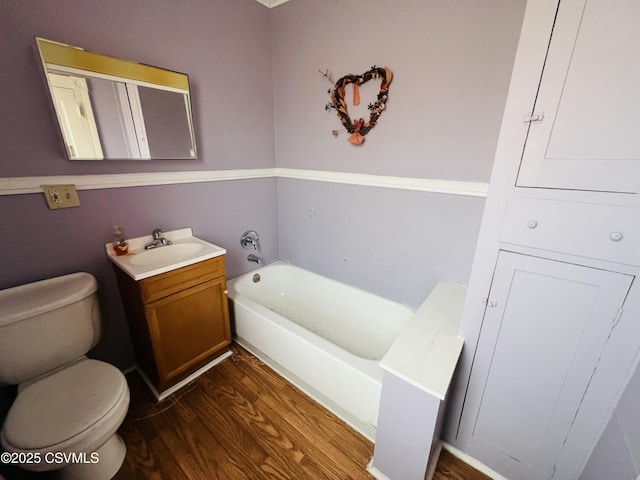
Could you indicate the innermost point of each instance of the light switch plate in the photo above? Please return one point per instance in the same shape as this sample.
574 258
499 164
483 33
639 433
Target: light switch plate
61 196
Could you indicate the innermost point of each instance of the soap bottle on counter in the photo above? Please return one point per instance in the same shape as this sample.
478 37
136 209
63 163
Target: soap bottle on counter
120 245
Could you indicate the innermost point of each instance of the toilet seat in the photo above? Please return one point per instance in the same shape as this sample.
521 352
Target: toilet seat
74 409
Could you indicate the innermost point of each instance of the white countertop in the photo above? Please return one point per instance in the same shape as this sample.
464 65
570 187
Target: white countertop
426 353
136 246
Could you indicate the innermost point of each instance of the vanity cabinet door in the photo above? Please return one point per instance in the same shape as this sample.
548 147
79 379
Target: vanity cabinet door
545 328
584 133
188 328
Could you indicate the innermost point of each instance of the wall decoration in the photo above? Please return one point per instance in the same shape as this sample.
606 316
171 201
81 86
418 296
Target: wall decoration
358 128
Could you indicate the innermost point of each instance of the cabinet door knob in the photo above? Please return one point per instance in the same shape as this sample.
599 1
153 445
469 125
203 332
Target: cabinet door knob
616 236
226 292
532 224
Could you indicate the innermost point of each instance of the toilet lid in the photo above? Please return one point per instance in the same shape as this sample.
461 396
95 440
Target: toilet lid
63 405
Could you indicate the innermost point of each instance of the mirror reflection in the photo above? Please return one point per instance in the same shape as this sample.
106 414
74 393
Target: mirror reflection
109 108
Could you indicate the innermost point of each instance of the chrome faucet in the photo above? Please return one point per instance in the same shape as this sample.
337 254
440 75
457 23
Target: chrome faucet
158 240
254 258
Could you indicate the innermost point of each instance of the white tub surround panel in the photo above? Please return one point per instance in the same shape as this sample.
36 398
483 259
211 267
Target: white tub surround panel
426 352
418 369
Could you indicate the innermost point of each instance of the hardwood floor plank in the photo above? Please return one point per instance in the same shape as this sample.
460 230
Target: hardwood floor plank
237 406
239 441
138 447
319 453
241 420
264 427
182 438
310 424
450 467
249 363
155 465
272 469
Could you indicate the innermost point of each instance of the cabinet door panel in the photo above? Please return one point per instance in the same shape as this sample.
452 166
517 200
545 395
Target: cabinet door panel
537 352
588 138
188 327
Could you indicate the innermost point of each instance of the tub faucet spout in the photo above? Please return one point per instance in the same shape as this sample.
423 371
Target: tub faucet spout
254 258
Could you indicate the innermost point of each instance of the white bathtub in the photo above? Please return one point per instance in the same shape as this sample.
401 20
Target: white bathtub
324 336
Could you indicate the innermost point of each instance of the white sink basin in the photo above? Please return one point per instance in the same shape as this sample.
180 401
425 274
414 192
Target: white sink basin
185 250
166 254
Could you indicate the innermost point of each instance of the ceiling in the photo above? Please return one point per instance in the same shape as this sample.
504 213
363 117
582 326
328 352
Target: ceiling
271 3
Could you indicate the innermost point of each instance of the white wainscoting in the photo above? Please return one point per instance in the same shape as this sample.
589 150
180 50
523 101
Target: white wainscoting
24 185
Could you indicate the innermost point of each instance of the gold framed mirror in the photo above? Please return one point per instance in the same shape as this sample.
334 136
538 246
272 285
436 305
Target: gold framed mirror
108 108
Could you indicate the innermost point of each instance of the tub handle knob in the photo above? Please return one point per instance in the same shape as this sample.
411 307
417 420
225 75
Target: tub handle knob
249 240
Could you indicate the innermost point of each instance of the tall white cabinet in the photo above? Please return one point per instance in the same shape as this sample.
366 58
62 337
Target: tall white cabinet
552 317
584 122
547 325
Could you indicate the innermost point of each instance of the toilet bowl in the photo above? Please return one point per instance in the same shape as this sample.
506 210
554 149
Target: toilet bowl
68 407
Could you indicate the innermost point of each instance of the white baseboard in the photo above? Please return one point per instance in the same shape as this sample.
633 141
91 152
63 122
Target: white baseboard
164 394
375 472
469 460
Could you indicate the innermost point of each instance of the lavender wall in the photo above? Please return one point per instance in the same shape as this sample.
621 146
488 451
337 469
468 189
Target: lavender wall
37 243
105 111
395 243
452 63
247 65
224 46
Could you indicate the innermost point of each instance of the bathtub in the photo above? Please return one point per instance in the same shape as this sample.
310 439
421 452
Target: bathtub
326 337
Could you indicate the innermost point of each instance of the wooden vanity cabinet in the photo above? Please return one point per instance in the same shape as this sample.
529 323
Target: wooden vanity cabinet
179 320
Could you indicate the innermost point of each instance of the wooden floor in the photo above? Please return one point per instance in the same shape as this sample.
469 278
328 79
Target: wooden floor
240 420
452 468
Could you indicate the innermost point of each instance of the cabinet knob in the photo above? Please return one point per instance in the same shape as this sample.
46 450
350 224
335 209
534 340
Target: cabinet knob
532 224
616 236
226 292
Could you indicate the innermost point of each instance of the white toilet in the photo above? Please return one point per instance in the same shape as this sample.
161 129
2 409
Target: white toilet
68 406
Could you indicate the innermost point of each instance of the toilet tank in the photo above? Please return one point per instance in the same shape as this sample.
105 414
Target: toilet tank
45 324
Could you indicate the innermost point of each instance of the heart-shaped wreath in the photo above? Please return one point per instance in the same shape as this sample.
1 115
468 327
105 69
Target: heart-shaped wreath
358 128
